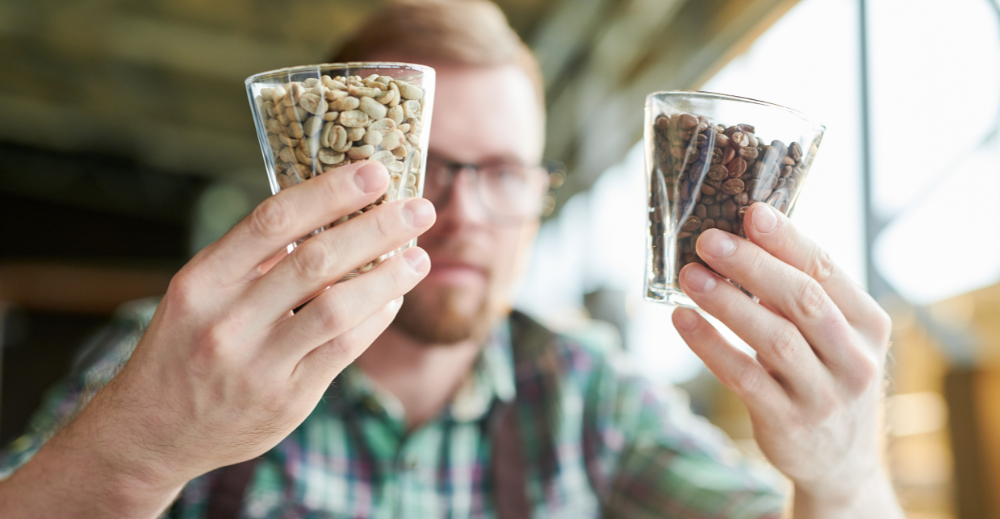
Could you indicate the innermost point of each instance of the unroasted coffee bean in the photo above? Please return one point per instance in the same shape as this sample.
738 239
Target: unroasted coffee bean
319 124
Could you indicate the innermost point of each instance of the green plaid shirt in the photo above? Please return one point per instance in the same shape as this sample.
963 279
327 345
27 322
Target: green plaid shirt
598 442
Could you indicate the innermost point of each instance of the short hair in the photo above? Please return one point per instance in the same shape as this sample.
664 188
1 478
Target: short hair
453 32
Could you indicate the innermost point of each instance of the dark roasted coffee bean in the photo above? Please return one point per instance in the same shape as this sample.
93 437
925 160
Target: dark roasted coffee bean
728 155
747 128
742 198
662 122
707 190
714 212
700 211
724 225
707 224
692 224
739 139
742 211
717 155
701 140
683 234
718 171
795 151
685 135
732 186
721 140
785 171
687 121
748 153
737 167
729 209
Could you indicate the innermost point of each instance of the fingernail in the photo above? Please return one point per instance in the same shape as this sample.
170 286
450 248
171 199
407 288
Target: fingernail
417 259
764 219
419 212
371 177
395 304
717 243
685 319
699 278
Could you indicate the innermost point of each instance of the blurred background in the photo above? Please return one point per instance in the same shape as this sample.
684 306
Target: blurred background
126 145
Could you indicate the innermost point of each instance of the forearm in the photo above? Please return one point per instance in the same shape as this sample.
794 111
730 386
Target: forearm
77 474
875 500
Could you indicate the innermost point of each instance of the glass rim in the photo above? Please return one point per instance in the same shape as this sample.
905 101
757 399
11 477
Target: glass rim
347 64
728 97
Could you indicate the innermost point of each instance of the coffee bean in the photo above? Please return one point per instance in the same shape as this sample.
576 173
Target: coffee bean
737 167
709 223
732 186
718 172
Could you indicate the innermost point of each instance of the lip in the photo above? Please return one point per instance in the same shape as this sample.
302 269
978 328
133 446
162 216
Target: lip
452 270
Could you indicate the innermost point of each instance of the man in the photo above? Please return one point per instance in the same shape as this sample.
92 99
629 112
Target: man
458 408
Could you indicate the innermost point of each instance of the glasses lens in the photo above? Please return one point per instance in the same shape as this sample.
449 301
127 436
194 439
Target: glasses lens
511 191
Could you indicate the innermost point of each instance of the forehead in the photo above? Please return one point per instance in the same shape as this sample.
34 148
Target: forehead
483 113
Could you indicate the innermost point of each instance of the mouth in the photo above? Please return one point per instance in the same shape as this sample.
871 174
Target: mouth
455 271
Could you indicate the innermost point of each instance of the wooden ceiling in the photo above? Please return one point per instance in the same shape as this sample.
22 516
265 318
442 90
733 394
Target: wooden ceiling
162 81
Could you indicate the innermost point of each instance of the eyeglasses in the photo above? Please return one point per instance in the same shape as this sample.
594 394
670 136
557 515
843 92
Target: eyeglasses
509 192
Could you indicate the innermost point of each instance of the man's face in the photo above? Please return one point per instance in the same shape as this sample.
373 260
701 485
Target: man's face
481 116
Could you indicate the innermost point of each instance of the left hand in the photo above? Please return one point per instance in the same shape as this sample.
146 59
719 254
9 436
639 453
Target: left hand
814 389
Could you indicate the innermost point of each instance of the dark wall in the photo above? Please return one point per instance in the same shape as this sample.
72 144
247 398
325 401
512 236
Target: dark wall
77 208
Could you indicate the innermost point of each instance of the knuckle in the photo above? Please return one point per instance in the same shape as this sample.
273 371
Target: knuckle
784 344
312 260
271 219
810 301
333 315
749 378
822 265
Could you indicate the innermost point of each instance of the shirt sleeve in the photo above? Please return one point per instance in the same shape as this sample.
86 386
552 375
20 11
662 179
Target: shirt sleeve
97 362
668 462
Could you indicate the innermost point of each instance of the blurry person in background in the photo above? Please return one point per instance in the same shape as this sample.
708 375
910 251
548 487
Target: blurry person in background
219 401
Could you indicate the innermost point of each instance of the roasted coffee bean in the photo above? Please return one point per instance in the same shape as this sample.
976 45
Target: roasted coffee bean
717 173
732 186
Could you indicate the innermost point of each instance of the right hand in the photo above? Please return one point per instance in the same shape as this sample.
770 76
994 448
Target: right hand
225 370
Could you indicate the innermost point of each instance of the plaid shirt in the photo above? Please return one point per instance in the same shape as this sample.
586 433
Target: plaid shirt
602 443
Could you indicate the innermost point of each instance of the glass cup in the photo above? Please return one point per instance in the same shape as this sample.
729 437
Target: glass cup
707 161
315 118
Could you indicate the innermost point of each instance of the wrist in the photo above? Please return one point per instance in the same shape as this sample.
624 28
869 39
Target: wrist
871 496
70 477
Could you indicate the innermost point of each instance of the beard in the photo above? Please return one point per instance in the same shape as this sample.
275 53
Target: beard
449 316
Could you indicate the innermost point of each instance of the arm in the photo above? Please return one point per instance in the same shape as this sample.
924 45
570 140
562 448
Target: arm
814 389
225 369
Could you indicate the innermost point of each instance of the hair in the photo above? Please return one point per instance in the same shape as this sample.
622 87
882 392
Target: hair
452 32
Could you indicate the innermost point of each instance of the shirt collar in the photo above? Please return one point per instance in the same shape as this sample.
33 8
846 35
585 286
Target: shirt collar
492 377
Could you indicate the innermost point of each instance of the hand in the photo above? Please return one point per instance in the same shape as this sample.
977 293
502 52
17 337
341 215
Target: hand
225 370
814 389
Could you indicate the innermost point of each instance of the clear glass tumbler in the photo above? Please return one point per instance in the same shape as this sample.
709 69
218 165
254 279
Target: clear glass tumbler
312 119
708 158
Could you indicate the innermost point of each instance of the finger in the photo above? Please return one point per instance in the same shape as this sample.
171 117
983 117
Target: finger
345 305
776 234
776 341
320 366
288 216
784 289
328 256
739 372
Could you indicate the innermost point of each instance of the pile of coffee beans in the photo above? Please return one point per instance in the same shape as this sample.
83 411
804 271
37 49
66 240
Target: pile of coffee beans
705 176
319 124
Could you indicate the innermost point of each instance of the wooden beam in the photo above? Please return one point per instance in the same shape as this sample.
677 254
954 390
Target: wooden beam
692 44
77 288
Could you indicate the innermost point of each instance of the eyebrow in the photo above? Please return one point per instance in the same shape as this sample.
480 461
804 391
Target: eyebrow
501 158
